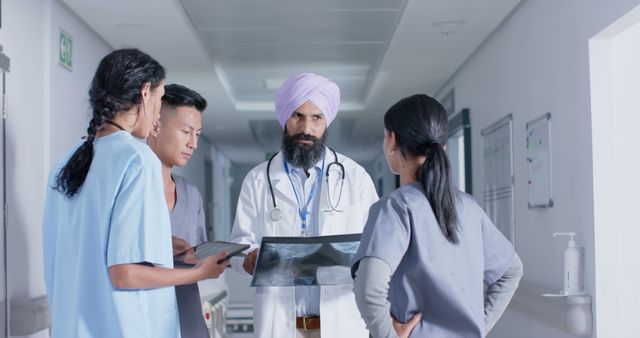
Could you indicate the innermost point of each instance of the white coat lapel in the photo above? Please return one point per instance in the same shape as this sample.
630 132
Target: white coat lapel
281 184
285 199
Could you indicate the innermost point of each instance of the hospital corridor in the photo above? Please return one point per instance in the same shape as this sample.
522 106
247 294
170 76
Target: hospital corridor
293 142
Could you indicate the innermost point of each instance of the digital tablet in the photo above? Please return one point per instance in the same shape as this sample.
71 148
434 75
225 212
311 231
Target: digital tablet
191 256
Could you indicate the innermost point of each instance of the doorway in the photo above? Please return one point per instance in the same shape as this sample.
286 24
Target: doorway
614 57
459 151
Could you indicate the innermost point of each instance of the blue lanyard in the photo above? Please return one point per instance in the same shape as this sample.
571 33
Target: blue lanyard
303 211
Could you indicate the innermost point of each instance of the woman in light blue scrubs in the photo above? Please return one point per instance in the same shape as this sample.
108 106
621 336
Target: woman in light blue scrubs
427 248
106 230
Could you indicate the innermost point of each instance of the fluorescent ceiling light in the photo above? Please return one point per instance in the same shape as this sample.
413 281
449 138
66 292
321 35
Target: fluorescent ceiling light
273 83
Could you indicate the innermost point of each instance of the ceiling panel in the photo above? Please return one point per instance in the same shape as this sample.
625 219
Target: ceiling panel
203 11
274 34
350 78
243 20
350 88
307 35
300 53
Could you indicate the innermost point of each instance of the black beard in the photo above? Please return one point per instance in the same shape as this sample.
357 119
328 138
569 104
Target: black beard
302 155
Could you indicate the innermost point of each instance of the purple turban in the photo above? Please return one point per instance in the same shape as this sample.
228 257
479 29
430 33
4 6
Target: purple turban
304 87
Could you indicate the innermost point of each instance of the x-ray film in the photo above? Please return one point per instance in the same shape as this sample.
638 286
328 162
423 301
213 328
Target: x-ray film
300 261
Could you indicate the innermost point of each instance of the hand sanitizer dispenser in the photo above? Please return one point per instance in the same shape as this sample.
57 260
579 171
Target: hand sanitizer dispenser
571 265
578 318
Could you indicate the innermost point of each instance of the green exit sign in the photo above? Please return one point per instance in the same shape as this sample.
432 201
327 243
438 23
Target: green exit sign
66 50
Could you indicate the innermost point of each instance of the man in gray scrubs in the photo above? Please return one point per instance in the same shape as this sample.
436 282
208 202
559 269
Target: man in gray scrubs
174 140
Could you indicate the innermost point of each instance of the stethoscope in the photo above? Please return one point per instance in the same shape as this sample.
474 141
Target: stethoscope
276 213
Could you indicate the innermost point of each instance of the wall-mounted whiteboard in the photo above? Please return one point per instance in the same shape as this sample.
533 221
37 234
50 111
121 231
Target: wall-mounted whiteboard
539 162
498 175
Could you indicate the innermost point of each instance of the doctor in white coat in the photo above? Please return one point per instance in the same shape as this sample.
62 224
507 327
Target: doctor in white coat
304 201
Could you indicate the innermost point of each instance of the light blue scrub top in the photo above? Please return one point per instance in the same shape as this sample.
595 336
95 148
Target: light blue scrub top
308 297
431 275
118 216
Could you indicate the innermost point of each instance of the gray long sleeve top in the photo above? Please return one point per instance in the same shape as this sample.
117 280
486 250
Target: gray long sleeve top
426 273
371 289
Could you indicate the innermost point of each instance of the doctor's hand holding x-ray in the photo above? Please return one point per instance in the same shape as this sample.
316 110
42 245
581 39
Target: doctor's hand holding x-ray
306 189
250 261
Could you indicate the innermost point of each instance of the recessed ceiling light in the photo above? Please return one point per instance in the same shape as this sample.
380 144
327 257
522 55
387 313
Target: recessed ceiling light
448 24
448 27
132 25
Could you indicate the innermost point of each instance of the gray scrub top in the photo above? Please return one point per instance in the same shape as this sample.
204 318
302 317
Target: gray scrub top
431 275
187 222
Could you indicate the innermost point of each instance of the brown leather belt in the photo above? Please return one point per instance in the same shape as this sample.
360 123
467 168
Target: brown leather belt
308 323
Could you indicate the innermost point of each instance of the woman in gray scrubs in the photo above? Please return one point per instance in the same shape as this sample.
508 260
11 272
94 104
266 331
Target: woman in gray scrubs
427 248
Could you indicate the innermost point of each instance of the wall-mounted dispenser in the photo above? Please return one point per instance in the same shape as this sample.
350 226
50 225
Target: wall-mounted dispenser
578 318
572 271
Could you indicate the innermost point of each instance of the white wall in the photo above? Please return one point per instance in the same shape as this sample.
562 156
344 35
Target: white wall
46 114
536 62
615 70
68 94
381 175
22 36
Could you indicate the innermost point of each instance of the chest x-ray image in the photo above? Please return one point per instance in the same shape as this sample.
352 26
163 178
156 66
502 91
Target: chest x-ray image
299 261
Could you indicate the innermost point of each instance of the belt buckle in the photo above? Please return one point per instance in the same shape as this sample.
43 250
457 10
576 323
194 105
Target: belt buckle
304 322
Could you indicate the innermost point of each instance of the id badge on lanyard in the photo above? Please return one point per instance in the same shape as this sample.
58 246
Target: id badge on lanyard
304 230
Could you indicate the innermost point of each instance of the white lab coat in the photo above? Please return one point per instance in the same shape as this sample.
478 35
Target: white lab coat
274 309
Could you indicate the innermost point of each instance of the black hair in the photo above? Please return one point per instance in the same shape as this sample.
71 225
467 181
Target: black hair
420 124
116 87
176 95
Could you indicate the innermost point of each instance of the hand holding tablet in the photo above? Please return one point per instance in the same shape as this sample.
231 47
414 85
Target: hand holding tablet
193 255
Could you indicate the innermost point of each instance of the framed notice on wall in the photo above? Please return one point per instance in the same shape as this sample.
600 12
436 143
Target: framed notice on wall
539 162
498 175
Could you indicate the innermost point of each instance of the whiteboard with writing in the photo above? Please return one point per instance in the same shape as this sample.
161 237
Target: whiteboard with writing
539 162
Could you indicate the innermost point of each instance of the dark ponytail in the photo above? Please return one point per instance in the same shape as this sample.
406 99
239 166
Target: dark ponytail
420 124
116 87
